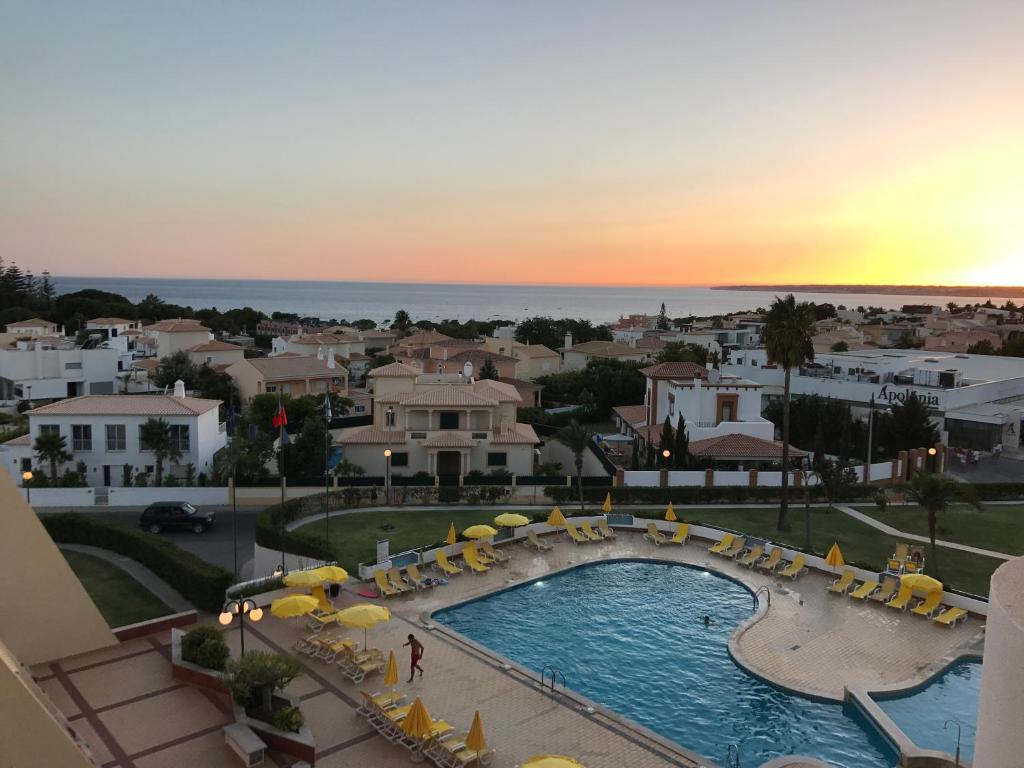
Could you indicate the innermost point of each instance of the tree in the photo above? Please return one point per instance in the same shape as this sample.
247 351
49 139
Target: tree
787 335
662 318
681 452
840 346
51 447
487 370
983 347
935 493
178 366
666 443
681 352
819 457
634 460
576 438
402 321
908 425
836 477
551 333
155 436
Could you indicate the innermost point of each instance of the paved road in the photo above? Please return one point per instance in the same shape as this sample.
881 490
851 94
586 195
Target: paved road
214 545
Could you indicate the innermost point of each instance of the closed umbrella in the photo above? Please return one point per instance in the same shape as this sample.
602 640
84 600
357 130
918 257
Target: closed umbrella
475 739
834 557
293 605
607 506
391 671
418 723
670 514
450 538
511 520
552 761
556 518
363 616
478 532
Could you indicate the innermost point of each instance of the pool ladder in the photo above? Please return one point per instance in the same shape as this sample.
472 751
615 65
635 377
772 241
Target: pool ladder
732 757
767 592
555 673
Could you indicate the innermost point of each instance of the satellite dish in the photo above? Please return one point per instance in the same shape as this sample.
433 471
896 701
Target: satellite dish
467 370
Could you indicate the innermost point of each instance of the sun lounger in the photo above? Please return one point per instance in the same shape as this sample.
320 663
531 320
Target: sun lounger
372 701
482 557
842 585
311 645
738 545
320 623
495 554
452 753
951 616
329 652
902 600
395 580
755 554
795 568
385 589
589 532
894 566
470 558
654 535
576 536
722 545
444 565
929 605
888 589
533 541
771 562
414 579
606 531
357 666
901 553
864 590
909 566
681 536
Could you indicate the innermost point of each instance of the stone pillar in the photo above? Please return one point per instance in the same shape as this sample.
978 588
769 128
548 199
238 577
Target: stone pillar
620 478
941 457
663 478
1000 738
798 479
709 478
904 466
752 478
231 490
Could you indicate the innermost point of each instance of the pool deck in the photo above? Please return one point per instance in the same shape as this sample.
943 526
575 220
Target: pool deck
132 712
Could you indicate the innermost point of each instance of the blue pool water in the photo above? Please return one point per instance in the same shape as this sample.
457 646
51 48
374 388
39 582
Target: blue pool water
630 636
952 695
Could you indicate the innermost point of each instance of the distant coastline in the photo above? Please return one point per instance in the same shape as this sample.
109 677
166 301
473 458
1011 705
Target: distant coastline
995 291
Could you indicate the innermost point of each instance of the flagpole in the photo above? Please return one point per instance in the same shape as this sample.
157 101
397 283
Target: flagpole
871 425
280 437
327 457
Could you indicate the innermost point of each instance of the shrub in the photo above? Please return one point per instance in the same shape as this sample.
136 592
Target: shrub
200 582
288 719
256 676
561 494
205 645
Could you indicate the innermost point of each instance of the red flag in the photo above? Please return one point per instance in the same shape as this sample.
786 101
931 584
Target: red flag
281 419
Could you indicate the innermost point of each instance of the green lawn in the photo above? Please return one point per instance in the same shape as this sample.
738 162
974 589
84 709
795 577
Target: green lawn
354 536
120 598
999 527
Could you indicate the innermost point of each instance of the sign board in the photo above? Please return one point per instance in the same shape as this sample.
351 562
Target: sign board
383 550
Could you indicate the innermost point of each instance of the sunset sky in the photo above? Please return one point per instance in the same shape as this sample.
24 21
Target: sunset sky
522 142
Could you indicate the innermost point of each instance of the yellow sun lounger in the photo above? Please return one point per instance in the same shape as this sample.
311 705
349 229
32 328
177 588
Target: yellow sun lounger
469 556
951 616
319 623
864 590
495 554
533 541
589 532
929 605
755 554
842 585
794 569
738 545
385 589
654 535
902 600
721 546
576 536
681 535
395 580
771 562
413 577
889 586
447 567
605 529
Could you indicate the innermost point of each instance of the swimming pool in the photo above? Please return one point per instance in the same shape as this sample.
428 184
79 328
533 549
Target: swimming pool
629 635
922 715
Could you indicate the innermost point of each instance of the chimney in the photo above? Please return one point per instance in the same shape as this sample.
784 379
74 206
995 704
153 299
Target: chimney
179 388
330 357
568 340
320 353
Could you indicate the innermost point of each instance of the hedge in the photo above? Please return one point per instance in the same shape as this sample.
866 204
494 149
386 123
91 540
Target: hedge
1000 491
271 531
201 583
739 494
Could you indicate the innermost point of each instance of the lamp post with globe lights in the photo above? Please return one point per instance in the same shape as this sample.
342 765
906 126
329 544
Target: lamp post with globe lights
241 609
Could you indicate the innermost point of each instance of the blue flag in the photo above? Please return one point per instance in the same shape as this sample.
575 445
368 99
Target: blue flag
284 437
231 420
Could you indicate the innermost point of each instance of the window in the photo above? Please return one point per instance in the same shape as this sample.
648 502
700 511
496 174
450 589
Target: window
49 429
26 465
270 388
389 417
115 437
72 366
497 459
399 459
179 437
81 437
449 419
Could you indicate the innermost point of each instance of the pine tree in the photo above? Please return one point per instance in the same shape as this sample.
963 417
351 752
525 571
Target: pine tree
488 370
681 453
667 442
663 318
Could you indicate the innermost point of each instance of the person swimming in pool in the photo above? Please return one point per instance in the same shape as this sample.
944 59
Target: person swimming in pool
707 621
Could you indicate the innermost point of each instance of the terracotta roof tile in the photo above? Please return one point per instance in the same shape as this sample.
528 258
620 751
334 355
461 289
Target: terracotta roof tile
522 434
634 415
176 326
675 371
215 346
740 446
281 367
605 349
127 405
455 395
394 370
448 440
371 435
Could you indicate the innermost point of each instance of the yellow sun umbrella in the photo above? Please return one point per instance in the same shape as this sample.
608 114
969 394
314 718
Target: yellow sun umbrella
478 532
303 579
331 573
511 520
921 582
556 518
451 538
391 671
292 606
670 514
552 761
475 739
835 557
607 506
363 616
418 723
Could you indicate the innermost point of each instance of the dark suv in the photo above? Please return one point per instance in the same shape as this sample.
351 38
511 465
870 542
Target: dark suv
175 515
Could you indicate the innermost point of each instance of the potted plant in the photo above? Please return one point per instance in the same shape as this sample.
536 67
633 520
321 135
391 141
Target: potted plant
205 645
254 679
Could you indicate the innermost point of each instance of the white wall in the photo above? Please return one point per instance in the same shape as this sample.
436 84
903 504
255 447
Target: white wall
675 478
141 497
48 371
60 497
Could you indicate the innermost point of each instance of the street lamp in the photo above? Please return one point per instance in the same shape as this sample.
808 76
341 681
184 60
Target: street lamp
26 478
387 476
931 458
241 609
665 455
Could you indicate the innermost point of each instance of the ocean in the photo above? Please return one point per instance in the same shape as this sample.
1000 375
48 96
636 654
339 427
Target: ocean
436 301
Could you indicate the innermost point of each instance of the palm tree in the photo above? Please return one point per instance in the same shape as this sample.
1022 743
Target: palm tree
935 493
51 447
155 436
576 438
787 338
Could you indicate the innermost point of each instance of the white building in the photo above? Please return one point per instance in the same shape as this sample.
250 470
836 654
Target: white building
44 368
343 344
977 401
103 432
216 353
35 327
170 336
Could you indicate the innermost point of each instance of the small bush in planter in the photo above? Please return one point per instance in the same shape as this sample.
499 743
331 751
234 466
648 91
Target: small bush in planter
288 719
254 678
205 645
